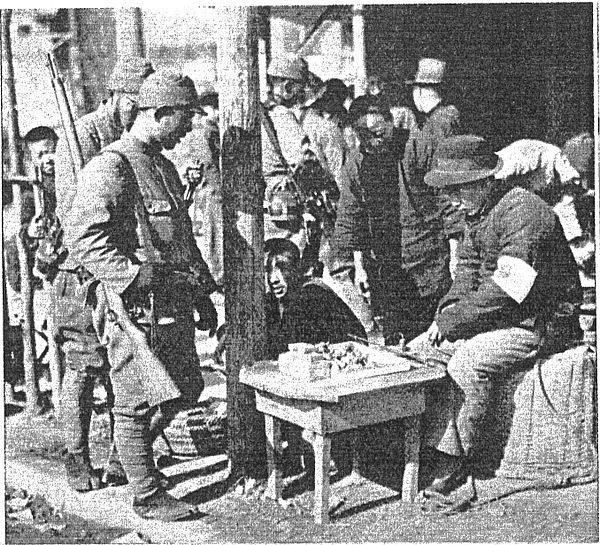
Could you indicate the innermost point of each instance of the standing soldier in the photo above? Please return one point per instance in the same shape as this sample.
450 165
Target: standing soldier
431 226
85 358
129 234
298 133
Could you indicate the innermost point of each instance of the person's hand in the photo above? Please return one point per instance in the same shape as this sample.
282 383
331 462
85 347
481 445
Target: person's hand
361 281
434 335
208 318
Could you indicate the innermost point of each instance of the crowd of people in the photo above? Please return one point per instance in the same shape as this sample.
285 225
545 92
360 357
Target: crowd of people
381 219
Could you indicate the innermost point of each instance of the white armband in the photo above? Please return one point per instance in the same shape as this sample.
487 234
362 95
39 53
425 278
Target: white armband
514 277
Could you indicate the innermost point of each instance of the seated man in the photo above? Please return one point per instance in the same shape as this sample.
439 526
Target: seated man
514 268
301 310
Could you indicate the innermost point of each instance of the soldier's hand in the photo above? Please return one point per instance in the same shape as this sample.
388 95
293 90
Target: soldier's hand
151 277
208 318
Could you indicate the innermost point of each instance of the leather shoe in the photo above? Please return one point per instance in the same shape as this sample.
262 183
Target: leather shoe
163 506
452 473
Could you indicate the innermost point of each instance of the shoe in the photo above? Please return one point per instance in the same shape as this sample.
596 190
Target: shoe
163 506
452 473
114 474
80 475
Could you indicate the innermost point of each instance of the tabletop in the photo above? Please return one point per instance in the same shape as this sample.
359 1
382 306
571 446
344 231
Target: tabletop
265 376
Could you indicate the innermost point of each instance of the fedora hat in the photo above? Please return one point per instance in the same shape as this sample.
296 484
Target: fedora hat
429 72
462 159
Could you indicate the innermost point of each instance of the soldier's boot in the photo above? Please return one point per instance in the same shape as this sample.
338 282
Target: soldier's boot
80 474
162 506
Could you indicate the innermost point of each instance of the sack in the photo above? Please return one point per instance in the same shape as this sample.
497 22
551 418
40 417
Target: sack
554 425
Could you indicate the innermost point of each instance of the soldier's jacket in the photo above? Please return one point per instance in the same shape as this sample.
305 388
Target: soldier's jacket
129 211
95 131
326 141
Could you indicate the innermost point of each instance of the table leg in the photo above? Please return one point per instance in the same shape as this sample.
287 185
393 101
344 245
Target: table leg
412 444
273 433
322 448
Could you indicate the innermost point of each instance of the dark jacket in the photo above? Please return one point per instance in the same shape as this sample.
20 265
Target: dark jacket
316 314
95 131
515 224
426 215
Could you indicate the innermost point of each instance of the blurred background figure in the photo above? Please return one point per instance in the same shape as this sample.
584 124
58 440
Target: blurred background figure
201 149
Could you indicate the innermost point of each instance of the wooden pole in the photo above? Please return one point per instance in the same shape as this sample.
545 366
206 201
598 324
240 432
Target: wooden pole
32 390
78 87
243 190
264 49
130 36
358 34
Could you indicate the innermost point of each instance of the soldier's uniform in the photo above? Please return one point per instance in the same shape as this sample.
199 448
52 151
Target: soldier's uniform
85 359
129 210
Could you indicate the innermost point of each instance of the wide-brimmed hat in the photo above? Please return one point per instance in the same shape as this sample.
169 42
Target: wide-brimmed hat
429 72
167 88
462 159
129 73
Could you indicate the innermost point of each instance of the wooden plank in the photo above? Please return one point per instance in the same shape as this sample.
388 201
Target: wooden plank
322 448
303 413
412 445
274 451
368 408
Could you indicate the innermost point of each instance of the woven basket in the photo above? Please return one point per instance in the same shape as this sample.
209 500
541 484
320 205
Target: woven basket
194 433
554 424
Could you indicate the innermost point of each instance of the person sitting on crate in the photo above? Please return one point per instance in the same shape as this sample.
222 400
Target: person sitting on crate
301 308
514 268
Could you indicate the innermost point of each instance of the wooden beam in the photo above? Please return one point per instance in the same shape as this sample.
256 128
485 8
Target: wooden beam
32 390
358 34
243 190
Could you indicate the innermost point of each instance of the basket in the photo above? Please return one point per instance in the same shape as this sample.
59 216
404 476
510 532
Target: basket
554 424
198 431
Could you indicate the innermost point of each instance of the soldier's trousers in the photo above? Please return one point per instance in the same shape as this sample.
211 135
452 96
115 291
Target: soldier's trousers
150 388
85 362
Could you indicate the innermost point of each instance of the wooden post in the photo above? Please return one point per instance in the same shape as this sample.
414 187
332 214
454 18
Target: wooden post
130 36
264 49
32 389
358 35
243 240
79 90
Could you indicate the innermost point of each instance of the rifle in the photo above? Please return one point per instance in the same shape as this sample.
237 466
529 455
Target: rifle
116 311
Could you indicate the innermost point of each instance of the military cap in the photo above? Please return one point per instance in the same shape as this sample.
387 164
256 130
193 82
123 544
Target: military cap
168 88
580 153
462 159
429 72
129 73
288 67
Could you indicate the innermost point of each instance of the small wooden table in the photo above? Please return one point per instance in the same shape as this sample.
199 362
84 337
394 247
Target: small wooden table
329 406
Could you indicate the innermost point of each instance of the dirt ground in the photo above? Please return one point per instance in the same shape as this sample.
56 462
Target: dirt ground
369 508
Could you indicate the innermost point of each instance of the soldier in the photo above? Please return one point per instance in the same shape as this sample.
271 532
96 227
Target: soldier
300 133
129 235
84 358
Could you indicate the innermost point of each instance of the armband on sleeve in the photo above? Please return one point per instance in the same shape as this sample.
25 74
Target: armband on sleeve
514 277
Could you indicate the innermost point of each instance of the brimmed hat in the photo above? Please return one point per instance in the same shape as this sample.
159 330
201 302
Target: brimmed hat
129 73
167 88
462 159
429 72
288 67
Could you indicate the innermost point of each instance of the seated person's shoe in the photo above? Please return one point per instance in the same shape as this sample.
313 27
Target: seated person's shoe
80 475
452 472
114 474
163 506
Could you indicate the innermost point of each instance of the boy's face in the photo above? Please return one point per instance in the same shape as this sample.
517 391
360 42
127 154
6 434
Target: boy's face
282 275
42 153
471 197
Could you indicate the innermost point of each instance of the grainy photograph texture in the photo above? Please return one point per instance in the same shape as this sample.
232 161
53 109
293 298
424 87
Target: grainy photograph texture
300 273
